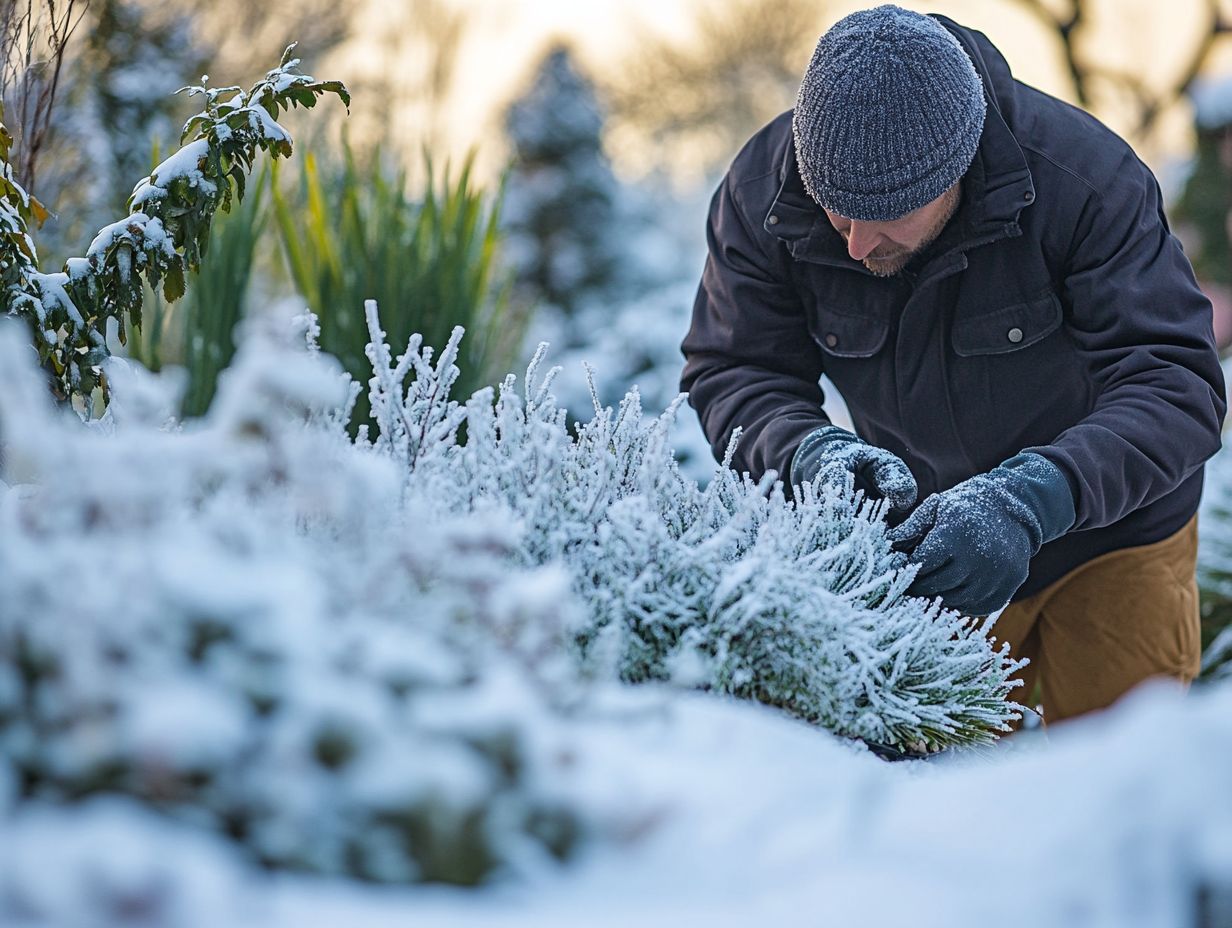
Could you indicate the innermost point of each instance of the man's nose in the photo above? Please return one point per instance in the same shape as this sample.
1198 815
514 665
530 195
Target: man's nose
862 239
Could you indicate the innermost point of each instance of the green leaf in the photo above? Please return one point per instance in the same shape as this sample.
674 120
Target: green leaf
241 181
173 283
339 88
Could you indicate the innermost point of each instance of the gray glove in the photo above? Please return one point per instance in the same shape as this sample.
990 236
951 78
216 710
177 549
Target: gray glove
973 543
833 452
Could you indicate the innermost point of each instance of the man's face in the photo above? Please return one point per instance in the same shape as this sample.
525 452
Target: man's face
886 247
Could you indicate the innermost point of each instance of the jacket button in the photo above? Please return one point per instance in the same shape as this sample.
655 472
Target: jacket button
773 220
1014 335
831 339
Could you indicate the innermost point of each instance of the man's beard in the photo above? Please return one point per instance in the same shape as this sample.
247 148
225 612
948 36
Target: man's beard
887 265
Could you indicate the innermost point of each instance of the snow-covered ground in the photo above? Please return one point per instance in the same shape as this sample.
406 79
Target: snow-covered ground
734 815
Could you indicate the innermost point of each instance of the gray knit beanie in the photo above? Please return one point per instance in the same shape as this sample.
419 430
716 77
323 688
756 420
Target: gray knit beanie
888 116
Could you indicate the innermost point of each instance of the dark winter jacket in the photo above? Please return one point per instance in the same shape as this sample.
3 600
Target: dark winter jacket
1055 313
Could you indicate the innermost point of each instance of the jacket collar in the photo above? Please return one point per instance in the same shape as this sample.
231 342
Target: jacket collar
996 188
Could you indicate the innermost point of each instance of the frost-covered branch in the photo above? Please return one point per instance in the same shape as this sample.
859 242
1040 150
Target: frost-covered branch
160 241
732 588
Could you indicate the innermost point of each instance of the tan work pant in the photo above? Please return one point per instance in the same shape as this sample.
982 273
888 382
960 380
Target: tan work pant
1107 625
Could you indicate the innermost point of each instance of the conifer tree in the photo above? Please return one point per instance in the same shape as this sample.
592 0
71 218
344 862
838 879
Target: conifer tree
562 204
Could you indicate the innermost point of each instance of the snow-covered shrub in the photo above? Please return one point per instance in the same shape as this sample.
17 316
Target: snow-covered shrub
109 863
373 658
754 820
798 604
238 624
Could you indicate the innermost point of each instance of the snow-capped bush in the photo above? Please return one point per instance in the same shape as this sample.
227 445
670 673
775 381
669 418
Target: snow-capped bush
237 624
736 816
800 605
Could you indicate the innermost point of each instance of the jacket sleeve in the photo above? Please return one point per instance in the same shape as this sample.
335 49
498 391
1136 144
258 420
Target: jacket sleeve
1137 312
749 359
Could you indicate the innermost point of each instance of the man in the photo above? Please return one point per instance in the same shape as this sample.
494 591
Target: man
987 276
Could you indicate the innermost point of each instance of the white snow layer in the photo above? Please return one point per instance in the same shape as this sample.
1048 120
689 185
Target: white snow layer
747 818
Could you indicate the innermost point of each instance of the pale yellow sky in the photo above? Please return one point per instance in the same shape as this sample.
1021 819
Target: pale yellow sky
504 38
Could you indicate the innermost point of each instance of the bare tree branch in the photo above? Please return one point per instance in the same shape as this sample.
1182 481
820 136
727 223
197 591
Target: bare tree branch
1064 26
1149 103
699 98
35 36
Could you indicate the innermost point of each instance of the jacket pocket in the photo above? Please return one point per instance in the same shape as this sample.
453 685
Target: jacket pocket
844 336
1012 328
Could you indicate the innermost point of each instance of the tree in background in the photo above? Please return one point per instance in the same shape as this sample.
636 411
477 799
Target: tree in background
1206 204
1098 85
610 264
700 98
562 209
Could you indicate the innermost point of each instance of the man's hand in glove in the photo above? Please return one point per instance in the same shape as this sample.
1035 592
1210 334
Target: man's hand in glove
973 542
832 450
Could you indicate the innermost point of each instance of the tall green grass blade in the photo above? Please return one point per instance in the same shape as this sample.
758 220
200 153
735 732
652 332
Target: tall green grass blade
219 295
350 232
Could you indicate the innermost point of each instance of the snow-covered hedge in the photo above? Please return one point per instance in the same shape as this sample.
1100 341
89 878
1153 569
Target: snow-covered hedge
373 658
735 816
240 625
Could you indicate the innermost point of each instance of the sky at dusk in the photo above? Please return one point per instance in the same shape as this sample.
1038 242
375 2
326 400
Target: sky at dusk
504 39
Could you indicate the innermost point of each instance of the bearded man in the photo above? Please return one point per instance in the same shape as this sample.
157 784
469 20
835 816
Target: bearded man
986 275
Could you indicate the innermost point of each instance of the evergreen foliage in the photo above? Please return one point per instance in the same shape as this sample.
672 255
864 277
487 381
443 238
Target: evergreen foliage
563 206
801 605
164 236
